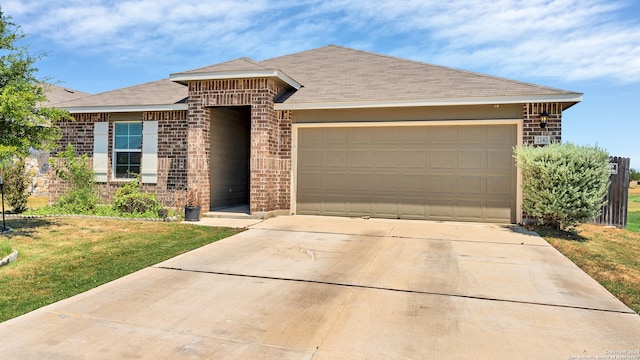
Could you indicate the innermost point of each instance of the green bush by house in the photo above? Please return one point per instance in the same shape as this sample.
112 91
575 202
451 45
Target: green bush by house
563 184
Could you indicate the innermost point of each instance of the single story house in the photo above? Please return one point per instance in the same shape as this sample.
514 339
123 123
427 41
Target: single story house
330 131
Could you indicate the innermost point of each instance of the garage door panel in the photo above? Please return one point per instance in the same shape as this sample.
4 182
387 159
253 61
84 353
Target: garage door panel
472 135
502 135
386 158
310 182
361 136
470 210
386 182
311 157
386 207
470 159
413 159
499 185
361 158
442 159
335 136
443 184
499 159
471 184
464 173
334 181
335 157
444 135
361 182
414 183
498 210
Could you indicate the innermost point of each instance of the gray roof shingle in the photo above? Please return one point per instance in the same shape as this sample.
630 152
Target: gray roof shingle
334 74
57 94
161 92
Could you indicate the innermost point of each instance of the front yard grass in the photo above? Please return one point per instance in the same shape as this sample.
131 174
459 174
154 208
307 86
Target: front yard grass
633 211
611 256
62 257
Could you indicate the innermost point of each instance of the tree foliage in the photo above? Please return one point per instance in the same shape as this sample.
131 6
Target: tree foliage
81 197
17 185
634 175
25 125
563 184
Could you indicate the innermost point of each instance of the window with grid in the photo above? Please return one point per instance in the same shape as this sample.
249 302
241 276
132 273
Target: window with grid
127 148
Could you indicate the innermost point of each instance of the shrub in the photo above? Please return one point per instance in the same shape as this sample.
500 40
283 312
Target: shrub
129 199
17 185
81 197
634 175
563 184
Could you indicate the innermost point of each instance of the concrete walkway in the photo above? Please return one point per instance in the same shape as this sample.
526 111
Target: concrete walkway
336 288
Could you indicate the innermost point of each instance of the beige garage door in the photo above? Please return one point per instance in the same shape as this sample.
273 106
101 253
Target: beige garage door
462 173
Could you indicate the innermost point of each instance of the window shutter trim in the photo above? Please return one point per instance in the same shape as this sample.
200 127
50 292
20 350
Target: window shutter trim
149 170
100 151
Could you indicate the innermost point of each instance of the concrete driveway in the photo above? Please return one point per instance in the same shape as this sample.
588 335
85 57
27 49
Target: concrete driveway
336 288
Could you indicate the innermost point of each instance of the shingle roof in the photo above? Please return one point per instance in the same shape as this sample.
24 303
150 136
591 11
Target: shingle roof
334 75
161 92
56 94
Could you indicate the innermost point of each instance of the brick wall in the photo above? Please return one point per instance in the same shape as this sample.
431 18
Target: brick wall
270 138
531 121
172 154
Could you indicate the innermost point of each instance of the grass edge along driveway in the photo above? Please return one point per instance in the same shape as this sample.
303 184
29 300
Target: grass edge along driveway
62 257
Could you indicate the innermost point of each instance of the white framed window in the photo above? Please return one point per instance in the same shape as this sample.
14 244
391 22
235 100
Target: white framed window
127 149
134 150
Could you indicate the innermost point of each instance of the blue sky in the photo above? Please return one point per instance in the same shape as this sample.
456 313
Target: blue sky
588 46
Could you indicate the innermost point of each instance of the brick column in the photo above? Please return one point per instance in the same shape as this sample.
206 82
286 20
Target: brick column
531 121
270 163
198 144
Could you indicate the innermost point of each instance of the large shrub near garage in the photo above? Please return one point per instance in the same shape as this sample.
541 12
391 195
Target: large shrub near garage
563 184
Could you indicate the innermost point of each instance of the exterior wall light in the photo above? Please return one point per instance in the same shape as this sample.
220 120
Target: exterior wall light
544 117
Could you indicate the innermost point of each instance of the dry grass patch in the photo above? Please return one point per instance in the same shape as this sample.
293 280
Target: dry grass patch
61 257
611 256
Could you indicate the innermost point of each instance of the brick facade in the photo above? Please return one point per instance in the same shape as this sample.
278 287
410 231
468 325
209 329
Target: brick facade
172 154
184 142
270 162
531 121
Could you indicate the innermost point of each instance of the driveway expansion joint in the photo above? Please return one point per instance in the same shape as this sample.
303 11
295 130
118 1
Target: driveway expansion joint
320 282
408 237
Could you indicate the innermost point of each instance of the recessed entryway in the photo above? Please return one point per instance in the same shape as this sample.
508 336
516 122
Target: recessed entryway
230 152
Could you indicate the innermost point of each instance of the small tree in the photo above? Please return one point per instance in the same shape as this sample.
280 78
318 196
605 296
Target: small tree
563 184
634 175
81 197
17 185
24 124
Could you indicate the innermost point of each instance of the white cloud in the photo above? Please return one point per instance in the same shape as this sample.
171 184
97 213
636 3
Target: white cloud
570 39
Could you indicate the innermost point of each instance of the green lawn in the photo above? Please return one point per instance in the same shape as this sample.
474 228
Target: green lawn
633 212
61 257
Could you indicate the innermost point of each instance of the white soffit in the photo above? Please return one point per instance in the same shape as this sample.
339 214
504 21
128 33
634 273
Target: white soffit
180 77
128 108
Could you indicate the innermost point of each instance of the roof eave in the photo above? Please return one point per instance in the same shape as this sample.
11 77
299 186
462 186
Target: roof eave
183 78
125 108
570 98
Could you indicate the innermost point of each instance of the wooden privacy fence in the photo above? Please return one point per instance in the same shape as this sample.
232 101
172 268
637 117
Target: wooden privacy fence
614 213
